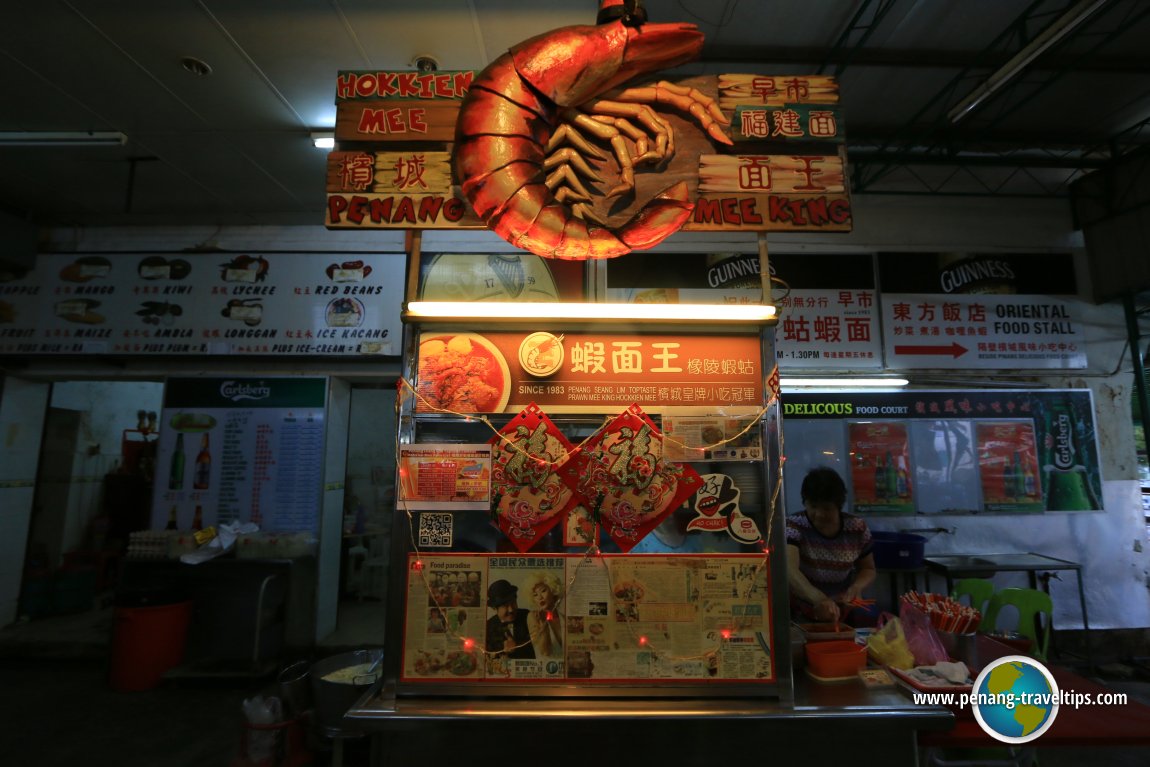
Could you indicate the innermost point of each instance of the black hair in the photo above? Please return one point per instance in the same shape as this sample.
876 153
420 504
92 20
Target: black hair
824 485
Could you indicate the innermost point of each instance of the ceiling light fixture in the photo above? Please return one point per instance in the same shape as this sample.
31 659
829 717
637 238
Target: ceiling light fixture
62 138
1047 38
509 310
866 382
323 139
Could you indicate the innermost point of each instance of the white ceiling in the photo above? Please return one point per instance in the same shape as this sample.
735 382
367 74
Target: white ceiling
233 147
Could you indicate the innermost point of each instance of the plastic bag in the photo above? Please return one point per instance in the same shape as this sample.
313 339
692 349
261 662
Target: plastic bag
259 710
921 637
888 645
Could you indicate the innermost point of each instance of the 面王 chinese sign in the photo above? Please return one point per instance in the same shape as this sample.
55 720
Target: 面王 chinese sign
586 372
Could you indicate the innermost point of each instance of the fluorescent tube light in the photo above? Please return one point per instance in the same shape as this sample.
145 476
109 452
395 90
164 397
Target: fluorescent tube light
1046 39
590 310
323 140
841 383
62 138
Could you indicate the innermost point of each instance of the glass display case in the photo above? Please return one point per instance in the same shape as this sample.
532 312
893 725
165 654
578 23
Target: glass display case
586 506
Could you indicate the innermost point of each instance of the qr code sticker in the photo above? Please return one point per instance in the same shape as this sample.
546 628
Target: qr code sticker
435 530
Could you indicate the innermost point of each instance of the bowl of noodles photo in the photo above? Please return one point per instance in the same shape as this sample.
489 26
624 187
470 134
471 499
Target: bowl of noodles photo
462 373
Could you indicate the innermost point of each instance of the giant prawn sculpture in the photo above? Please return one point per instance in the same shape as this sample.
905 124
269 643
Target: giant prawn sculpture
522 133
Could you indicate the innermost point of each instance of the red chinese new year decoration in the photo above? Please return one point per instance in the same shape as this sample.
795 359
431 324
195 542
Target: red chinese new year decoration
529 496
623 478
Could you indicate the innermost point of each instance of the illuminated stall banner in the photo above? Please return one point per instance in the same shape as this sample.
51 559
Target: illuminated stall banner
586 372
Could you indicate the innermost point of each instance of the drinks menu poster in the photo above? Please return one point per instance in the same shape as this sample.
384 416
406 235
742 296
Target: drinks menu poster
880 455
240 450
1008 466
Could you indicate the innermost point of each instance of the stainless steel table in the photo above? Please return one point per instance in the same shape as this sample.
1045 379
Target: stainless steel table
954 566
846 720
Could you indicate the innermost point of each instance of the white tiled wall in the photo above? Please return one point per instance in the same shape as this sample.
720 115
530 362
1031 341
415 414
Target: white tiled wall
22 407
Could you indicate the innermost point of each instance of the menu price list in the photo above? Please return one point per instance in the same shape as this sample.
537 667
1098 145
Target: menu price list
298 471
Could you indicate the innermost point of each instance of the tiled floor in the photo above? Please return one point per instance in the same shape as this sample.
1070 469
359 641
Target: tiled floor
57 709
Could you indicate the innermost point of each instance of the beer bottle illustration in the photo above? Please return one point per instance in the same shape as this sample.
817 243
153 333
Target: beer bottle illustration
880 487
203 473
891 477
198 518
176 472
902 481
173 522
1067 486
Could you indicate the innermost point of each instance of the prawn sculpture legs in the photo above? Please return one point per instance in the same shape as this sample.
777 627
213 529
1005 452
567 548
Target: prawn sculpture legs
522 136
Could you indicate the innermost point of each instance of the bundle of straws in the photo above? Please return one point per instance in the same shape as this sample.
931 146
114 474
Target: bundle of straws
945 614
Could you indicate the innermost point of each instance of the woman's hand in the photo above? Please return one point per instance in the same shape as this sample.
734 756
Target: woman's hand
853 592
827 610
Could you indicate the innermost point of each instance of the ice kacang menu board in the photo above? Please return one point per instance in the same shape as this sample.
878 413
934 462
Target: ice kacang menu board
585 372
543 618
241 450
205 303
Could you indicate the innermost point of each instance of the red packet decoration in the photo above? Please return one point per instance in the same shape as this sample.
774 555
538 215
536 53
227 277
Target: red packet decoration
621 475
528 495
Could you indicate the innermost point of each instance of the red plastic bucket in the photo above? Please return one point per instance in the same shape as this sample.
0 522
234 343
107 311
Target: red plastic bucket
146 642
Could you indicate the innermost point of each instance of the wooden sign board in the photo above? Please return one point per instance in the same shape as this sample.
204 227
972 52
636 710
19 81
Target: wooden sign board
358 85
786 123
412 172
779 173
399 211
776 90
771 213
396 120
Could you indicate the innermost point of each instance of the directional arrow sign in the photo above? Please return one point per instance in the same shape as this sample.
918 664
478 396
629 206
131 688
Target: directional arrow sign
955 350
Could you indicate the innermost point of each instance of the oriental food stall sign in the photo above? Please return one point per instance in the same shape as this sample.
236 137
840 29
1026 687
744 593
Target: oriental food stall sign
982 331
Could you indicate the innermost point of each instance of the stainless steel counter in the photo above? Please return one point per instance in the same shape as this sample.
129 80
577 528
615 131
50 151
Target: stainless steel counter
860 725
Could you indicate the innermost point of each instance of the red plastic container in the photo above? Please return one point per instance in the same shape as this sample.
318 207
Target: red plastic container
836 658
146 642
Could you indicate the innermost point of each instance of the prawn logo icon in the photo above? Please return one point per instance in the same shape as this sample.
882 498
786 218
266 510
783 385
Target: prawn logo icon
1015 699
236 391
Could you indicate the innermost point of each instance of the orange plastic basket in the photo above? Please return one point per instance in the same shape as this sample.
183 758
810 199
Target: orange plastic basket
835 658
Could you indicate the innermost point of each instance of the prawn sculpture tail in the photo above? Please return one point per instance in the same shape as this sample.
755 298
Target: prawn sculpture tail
521 136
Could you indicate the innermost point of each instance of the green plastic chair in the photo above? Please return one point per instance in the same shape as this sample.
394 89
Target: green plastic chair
980 590
1030 603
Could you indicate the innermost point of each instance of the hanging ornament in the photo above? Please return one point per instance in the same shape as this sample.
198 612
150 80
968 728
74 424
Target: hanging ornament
622 464
529 496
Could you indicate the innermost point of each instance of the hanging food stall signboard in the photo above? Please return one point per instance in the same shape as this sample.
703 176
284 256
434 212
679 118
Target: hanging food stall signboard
551 152
399 106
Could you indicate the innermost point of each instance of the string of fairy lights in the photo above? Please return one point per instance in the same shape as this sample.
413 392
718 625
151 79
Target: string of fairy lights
592 553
